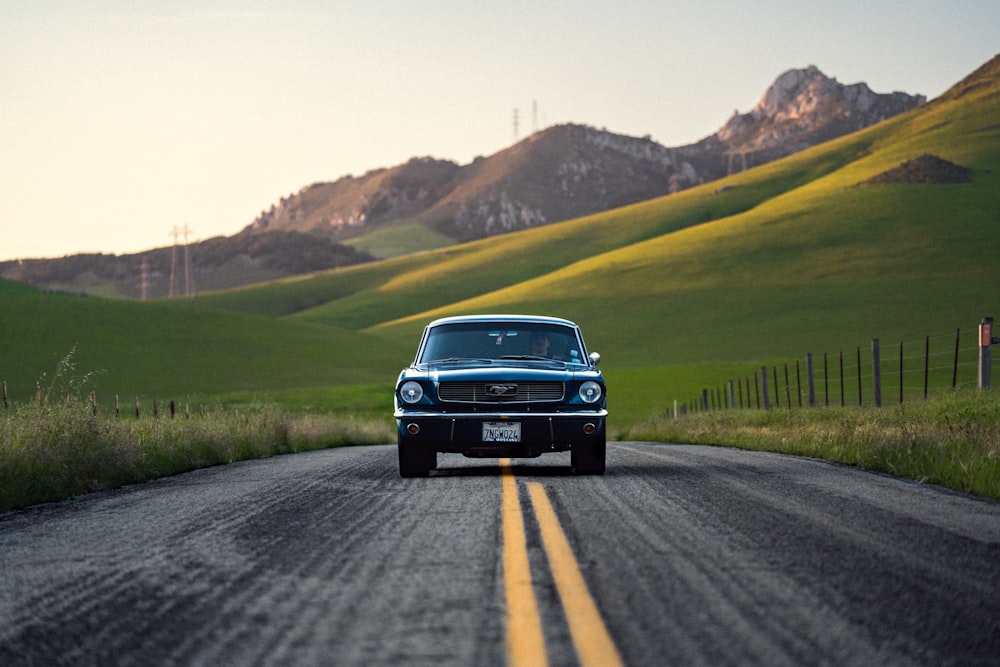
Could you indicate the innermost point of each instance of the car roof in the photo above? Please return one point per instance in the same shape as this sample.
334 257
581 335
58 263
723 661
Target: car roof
518 319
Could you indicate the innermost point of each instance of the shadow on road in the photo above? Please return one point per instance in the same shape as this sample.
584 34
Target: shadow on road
494 470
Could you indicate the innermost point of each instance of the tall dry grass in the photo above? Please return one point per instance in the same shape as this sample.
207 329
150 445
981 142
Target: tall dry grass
55 451
58 445
952 439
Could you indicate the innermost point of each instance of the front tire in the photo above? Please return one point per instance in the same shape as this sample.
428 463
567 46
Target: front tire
415 460
587 457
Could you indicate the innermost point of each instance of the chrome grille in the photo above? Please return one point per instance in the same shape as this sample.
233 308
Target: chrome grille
486 392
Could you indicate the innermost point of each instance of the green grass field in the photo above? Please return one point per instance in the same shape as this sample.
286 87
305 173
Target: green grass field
399 240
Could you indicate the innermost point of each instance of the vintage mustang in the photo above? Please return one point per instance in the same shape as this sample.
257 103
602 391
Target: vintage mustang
501 386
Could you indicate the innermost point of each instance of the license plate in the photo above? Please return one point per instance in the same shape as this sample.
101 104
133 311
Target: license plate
501 432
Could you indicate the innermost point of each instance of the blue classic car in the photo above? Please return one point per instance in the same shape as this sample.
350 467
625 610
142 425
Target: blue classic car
501 386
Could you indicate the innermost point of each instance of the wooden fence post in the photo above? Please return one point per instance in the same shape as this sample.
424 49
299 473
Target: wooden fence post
763 387
810 380
841 378
860 400
954 373
6 404
876 373
777 389
927 363
985 353
826 379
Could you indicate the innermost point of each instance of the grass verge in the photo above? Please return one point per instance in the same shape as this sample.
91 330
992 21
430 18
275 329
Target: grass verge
952 439
51 452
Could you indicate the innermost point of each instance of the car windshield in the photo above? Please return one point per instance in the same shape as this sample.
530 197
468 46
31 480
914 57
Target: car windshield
496 341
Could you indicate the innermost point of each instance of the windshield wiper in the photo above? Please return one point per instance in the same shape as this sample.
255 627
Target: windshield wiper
531 357
451 360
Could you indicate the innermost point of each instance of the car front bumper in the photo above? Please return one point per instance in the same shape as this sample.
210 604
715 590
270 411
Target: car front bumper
462 432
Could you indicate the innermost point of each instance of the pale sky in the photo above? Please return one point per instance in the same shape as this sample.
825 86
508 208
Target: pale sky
121 119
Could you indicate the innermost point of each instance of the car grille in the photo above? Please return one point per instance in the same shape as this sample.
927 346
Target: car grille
512 392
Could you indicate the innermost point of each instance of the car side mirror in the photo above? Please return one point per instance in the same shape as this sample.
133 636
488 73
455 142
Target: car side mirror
595 359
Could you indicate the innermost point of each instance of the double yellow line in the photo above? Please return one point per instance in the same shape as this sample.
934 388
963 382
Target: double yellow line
525 639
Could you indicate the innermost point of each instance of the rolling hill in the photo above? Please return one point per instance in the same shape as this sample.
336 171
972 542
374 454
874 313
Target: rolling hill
156 350
213 264
809 253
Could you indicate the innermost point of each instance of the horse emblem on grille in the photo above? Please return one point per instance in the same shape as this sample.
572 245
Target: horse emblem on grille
501 389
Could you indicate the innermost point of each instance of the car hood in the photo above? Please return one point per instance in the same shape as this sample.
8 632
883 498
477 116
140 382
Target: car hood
504 370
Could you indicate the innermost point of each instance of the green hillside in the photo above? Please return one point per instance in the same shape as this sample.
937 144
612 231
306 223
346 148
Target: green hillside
159 350
399 240
371 294
797 256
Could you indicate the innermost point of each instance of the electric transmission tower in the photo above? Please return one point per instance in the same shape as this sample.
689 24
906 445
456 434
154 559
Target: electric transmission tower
188 287
144 279
173 260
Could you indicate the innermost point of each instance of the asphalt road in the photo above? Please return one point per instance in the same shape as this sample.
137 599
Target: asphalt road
689 556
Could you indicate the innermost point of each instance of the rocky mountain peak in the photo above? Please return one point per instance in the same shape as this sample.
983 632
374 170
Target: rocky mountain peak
804 107
795 93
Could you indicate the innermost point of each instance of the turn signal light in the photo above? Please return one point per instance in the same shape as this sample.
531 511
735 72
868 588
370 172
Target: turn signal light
589 428
412 429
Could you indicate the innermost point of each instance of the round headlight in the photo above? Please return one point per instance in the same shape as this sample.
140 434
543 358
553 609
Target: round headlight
411 392
590 392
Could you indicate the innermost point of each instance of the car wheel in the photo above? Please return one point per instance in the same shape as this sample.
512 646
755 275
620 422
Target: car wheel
415 460
587 458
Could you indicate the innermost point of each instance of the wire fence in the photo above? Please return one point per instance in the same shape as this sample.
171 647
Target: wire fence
869 375
155 407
